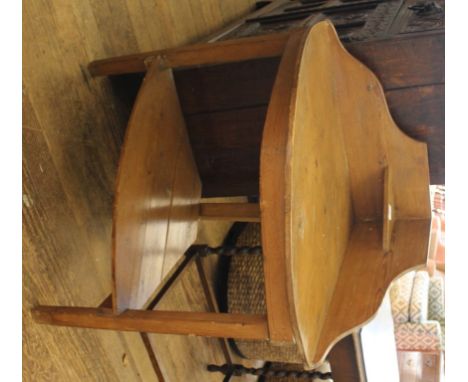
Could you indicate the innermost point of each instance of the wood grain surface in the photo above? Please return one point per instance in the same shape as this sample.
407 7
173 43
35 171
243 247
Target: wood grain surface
363 107
241 212
328 140
215 53
157 195
357 298
273 190
73 128
318 184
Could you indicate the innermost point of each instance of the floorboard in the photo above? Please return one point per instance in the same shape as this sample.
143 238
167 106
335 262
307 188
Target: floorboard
73 127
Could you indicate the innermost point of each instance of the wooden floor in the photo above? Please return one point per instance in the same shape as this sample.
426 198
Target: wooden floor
72 133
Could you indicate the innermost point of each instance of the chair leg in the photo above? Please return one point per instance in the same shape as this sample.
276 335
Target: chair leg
204 250
266 371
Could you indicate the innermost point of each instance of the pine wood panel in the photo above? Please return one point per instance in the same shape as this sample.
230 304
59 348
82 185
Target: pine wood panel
157 195
318 195
73 129
384 146
216 53
360 297
363 107
273 192
328 141
183 220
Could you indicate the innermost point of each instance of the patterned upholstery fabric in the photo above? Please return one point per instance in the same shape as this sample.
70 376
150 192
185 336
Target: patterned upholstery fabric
437 303
436 299
419 297
418 309
425 336
400 295
442 328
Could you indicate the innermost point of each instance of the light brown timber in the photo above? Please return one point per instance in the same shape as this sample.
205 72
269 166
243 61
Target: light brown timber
323 157
242 212
273 190
244 49
157 195
207 324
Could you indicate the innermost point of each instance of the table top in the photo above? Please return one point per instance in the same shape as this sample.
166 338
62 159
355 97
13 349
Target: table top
344 195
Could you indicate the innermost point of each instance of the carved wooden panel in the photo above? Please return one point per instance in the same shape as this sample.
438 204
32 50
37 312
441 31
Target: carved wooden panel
354 20
422 16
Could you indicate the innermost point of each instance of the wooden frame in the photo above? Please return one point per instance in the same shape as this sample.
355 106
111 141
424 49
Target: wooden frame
160 64
368 246
167 322
249 48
